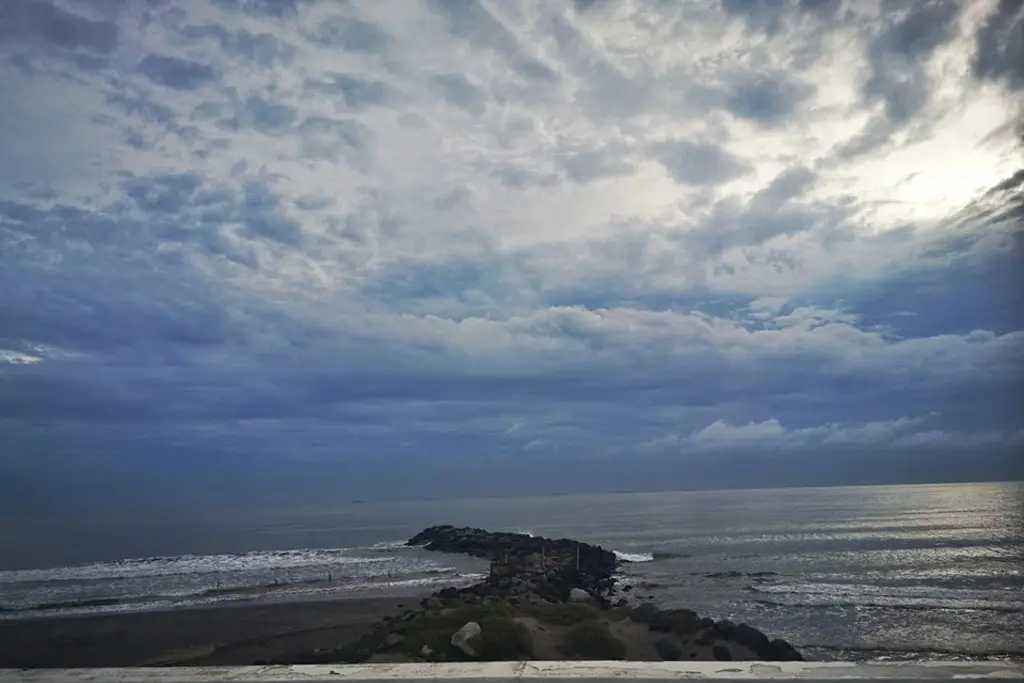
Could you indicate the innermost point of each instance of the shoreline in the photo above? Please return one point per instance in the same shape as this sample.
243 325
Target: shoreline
217 634
531 579
542 597
245 596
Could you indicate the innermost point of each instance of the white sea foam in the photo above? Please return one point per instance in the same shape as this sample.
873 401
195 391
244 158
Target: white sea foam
634 557
388 545
201 579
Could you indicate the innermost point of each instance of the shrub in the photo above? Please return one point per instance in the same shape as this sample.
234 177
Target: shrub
501 639
456 618
562 614
592 640
618 613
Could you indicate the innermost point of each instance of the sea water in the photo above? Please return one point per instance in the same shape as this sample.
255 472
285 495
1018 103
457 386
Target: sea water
870 573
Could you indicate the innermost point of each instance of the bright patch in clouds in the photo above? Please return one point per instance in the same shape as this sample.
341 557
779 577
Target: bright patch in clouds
479 236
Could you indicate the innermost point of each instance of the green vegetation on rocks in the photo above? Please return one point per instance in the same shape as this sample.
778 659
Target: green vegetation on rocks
592 640
501 639
561 614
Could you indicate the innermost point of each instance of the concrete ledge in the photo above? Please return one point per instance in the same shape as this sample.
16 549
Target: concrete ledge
528 671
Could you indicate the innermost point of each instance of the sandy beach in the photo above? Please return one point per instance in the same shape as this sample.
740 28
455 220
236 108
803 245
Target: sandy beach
233 634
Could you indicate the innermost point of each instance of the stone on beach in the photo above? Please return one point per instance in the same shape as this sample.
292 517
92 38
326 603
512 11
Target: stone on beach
461 638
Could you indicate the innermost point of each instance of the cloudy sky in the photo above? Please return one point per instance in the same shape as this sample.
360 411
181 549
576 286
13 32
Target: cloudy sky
304 249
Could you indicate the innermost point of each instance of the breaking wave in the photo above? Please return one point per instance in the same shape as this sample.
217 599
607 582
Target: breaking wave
634 557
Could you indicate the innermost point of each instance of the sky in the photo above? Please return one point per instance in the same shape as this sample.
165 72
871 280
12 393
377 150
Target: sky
282 251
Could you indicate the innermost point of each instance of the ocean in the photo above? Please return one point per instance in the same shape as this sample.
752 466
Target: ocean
848 573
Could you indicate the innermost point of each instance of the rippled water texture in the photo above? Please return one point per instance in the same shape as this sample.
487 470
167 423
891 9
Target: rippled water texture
846 573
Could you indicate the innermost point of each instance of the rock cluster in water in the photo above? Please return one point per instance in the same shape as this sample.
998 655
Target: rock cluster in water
548 568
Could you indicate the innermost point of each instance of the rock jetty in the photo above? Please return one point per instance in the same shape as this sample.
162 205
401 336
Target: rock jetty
549 568
544 599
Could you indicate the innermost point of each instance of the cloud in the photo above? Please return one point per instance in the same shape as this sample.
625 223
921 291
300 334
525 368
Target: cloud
766 99
484 237
267 116
56 26
173 72
459 92
699 163
350 34
999 51
262 49
355 92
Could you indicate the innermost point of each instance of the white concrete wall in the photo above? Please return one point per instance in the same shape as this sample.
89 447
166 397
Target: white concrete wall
530 671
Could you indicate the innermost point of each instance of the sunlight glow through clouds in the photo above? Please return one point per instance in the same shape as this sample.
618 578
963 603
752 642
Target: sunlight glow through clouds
603 222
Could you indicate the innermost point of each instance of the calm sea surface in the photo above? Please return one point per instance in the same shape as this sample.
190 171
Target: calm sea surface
881 572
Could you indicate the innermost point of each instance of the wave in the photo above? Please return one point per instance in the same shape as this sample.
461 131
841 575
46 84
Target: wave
387 545
911 652
190 565
647 557
66 604
634 557
164 580
927 606
231 595
885 597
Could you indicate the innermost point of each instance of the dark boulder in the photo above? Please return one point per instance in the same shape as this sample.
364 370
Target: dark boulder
674 621
721 653
660 623
781 651
749 637
726 628
393 640
644 613
705 637
667 649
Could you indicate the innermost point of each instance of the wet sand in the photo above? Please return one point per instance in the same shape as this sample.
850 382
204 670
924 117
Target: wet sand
235 634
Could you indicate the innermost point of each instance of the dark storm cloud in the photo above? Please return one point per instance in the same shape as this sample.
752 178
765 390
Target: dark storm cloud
766 99
958 298
174 72
896 59
268 116
262 216
33 19
999 51
146 109
351 34
258 48
776 210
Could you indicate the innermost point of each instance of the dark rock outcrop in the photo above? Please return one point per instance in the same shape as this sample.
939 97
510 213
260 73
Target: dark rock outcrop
721 653
667 649
550 568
